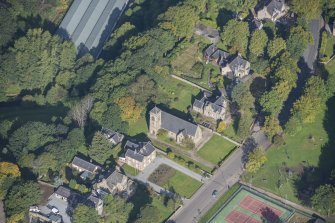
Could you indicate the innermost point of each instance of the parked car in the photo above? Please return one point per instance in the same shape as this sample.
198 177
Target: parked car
215 193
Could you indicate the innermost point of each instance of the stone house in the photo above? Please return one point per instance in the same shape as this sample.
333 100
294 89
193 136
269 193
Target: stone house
86 168
216 110
211 34
95 202
177 128
139 155
63 193
237 68
231 67
118 183
273 11
114 137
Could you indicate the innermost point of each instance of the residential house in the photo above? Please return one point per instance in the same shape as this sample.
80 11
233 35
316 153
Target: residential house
95 202
114 137
177 128
237 68
86 168
215 110
211 34
216 56
118 183
60 203
139 155
273 10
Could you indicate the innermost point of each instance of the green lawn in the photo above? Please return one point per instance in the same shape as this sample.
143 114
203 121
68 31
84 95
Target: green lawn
216 149
298 149
130 170
179 92
138 127
182 184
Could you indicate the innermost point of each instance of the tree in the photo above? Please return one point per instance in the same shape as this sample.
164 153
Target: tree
45 162
258 42
298 41
276 46
323 199
34 135
81 110
143 89
149 214
21 196
256 160
85 214
221 127
6 181
98 110
238 6
312 101
242 96
308 9
5 126
131 112
180 20
11 169
235 35
271 126
116 209
16 218
101 148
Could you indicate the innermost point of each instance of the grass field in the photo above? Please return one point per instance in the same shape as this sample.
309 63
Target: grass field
182 184
253 208
185 61
173 180
129 170
138 127
216 149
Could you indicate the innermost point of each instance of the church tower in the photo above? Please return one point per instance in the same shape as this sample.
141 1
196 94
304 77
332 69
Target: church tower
155 120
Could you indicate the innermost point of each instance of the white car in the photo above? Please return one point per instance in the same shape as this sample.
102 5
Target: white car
55 210
34 209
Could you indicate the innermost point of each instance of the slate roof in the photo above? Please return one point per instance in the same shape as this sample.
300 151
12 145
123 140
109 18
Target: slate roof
114 178
93 201
238 63
220 55
89 23
63 191
112 135
176 125
207 31
198 103
274 6
55 218
83 164
138 151
210 50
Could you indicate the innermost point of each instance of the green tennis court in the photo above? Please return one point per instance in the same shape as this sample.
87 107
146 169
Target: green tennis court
247 206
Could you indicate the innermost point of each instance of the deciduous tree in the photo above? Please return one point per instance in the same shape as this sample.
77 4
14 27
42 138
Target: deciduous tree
298 41
256 160
21 196
323 199
276 46
101 148
81 110
258 42
130 111
271 126
9 169
309 9
116 209
85 214
235 35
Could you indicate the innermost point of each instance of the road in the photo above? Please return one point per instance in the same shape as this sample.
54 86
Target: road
310 54
227 175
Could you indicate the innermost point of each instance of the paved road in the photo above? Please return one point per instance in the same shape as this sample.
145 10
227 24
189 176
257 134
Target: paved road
143 176
310 54
227 175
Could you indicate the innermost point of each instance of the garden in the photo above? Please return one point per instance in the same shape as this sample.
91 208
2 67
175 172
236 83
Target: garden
174 181
216 149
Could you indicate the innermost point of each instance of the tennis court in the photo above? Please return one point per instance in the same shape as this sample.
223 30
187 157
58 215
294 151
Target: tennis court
247 206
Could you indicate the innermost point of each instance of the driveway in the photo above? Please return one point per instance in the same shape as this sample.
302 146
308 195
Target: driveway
310 54
143 176
227 175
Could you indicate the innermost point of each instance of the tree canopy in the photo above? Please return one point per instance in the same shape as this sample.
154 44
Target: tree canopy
85 214
235 36
309 9
258 42
298 41
101 148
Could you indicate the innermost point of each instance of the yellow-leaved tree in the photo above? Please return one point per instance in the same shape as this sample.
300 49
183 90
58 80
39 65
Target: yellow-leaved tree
12 169
130 111
255 160
221 127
